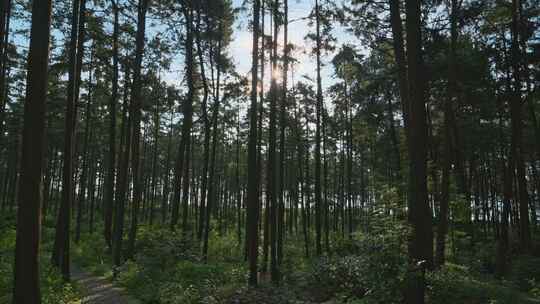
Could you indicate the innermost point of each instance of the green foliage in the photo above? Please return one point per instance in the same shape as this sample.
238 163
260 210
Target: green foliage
162 248
525 272
225 248
92 255
484 258
53 289
459 209
186 282
371 272
535 288
167 269
7 247
196 283
457 284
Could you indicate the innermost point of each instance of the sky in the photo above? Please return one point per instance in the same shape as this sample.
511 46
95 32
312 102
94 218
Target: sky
240 48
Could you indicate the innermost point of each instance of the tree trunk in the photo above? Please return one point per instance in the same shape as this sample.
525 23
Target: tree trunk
166 191
122 181
26 288
272 178
442 228
282 123
401 61
319 105
5 18
181 166
136 101
60 255
206 123
85 157
421 239
252 196
109 184
516 109
215 142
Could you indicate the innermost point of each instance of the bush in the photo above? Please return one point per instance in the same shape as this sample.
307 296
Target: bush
484 258
91 254
167 269
225 248
53 289
535 288
161 248
525 269
372 275
457 284
453 284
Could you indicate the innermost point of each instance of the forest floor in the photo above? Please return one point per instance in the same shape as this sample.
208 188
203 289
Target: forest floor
99 290
368 268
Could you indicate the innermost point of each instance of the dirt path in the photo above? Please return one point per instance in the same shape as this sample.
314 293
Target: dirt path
99 290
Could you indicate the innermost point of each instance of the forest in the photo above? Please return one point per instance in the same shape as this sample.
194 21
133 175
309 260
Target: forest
269 151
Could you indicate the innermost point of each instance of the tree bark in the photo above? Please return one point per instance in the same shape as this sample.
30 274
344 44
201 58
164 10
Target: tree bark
516 115
61 248
319 105
135 102
110 178
421 238
26 289
442 227
212 172
122 181
252 195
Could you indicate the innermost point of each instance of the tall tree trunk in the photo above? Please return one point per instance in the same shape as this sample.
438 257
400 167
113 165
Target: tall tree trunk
237 177
401 60
215 143
94 174
60 255
349 144
516 115
26 288
166 191
421 239
282 123
206 126
135 102
84 155
122 181
5 19
266 234
272 178
188 113
442 227
182 166
325 184
319 105
109 184
252 195
155 152
507 168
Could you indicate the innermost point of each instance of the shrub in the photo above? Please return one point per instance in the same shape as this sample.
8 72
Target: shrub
91 254
525 269
167 269
373 274
53 289
484 258
535 288
452 284
457 284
